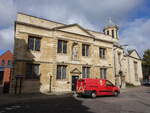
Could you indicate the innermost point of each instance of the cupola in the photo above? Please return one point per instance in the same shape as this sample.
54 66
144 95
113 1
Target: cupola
111 29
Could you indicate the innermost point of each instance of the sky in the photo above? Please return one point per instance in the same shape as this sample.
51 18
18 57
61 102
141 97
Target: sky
132 17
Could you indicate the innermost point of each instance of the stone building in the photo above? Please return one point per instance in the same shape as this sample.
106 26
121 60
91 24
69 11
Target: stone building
134 68
51 56
127 67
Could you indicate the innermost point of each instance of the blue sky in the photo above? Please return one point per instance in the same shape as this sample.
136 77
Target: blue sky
132 16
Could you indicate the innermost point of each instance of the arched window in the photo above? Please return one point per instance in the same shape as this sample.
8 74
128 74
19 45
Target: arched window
107 32
9 62
3 62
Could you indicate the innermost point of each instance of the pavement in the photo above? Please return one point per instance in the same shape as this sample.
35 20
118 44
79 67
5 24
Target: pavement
8 99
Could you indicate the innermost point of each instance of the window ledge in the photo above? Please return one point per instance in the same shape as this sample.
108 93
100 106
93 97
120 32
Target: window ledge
64 80
33 51
86 56
103 58
62 54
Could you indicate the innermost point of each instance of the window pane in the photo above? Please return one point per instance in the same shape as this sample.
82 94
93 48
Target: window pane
31 43
113 33
102 52
36 70
32 71
83 50
9 62
58 72
88 72
29 71
3 62
103 73
63 72
59 47
64 47
107 32
87 50
37 44
83 72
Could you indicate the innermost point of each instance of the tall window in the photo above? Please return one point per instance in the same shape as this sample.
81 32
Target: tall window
102 52
62 46
61 72
103 73
119 59
135 71
107 32
85 72
9 62
34 43
32 71
85 50
3 62
113 33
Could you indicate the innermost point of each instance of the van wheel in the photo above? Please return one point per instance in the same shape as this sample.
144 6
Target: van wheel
93 95
116 93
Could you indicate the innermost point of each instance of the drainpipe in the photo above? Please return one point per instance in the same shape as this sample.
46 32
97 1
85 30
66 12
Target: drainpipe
115 64
50 84
129 70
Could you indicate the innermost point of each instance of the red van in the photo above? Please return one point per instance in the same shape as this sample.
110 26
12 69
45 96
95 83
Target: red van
96 87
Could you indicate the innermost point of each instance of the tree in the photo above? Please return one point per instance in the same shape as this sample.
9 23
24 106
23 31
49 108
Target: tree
146 65
146 57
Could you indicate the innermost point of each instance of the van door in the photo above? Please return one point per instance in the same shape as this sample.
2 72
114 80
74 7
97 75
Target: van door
106 88
109 88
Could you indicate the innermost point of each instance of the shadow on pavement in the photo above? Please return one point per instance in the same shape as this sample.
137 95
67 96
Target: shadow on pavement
58 104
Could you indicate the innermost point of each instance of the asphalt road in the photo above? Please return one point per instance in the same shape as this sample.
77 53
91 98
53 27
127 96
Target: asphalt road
136 100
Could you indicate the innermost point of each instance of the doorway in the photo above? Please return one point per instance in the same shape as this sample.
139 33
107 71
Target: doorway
1 77
74 82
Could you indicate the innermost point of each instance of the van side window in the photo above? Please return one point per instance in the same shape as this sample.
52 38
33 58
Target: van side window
108 83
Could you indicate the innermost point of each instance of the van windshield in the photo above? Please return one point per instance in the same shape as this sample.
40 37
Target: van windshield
108 83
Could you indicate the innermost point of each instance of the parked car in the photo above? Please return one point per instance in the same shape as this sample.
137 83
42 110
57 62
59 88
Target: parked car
146 82
96 87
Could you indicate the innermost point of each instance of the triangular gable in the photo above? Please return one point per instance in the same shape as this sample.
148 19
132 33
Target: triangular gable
75 71
7 54
74 28
134 54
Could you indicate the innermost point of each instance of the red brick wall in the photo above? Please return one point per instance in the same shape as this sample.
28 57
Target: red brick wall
7 70
6 56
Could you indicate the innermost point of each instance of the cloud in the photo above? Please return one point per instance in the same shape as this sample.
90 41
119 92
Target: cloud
96 12
81 20
7 12
91 14
6 39
136 34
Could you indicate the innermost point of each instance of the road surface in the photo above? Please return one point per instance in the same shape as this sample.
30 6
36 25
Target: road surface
134 100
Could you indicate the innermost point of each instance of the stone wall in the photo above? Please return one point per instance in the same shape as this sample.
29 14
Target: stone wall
48 58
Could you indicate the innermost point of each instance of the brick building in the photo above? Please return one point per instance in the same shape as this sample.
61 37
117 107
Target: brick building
6 60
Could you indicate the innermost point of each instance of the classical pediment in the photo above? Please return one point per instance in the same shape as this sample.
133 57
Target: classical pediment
75 71
134 54
74 28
